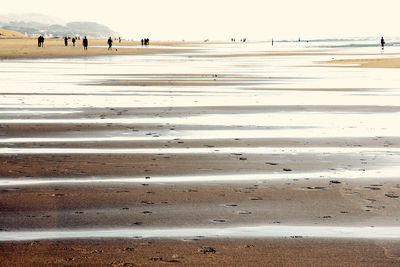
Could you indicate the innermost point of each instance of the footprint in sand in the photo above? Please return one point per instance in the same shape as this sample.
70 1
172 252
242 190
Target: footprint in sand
191 190
245 212
147 212
316 187
147 202
372 188
391 195
206 250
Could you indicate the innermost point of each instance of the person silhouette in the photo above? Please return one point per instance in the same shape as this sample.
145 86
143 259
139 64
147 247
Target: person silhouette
109 41
85 43
66 41
73 41
39 41
382 43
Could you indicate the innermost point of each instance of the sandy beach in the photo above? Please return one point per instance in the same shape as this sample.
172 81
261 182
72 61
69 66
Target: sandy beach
55 48
370 63
198 154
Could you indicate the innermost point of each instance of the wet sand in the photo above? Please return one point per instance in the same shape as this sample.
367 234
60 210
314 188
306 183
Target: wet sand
218 252
146 205
198 164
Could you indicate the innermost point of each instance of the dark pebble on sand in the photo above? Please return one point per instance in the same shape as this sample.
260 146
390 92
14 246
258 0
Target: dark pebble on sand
205 250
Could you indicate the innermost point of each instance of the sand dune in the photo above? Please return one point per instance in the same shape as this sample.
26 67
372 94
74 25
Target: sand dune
10 34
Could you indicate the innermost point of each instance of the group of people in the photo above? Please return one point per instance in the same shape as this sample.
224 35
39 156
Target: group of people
74 39
40 41
85 41
241 40
145 42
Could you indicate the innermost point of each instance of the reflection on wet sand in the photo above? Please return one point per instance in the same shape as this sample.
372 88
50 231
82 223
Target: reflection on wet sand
231 232
199 143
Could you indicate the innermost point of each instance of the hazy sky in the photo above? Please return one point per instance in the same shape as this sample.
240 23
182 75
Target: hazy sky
221 19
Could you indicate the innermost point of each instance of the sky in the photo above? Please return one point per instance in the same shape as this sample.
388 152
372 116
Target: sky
223 19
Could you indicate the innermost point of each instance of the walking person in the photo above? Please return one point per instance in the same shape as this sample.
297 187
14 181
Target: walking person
85 43
73 41
110 41
382 43
66 41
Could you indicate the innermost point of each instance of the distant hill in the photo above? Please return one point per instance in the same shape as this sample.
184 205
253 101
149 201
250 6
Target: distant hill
11 34
33 24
